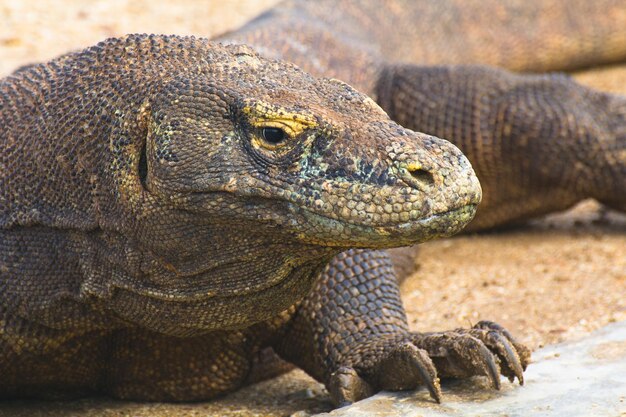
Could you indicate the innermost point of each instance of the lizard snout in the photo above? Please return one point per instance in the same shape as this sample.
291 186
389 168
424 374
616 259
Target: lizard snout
416 175
434 167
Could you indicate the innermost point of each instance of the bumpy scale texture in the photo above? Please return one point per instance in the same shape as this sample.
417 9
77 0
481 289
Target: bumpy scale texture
538 144
172 207
167 239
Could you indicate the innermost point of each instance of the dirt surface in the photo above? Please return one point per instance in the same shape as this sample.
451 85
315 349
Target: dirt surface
554 280
38 30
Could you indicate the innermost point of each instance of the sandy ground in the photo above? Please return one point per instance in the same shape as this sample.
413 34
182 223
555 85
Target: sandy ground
37 30
554 280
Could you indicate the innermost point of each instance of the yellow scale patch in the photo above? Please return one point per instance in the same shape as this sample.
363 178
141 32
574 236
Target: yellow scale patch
265 115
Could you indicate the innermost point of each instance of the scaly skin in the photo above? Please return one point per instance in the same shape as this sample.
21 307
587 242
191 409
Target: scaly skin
354 39
134 329
170 207
514 129
538 143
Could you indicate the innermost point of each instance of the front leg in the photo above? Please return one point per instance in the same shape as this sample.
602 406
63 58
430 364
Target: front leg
351 333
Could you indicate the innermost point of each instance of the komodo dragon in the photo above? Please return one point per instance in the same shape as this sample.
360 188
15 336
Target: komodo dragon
538 143
168 203
105 273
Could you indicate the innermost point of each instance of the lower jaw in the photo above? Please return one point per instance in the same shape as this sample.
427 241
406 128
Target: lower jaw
330 232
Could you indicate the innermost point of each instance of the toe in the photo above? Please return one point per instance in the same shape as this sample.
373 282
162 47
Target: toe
477 358
346 387
514 356
407 367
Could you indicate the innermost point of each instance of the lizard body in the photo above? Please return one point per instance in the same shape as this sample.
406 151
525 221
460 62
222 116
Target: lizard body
168 204
132 311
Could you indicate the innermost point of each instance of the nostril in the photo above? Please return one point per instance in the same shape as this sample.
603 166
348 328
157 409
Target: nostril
422 175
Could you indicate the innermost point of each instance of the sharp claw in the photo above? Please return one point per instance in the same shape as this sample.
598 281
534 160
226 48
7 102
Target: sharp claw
428 374
506 343
406 367
493 371
511 357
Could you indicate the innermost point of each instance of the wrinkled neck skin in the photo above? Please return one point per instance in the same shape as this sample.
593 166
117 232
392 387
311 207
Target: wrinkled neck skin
201 273
216 277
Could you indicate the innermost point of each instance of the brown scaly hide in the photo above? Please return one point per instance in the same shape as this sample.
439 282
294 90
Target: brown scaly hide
167 203
353 349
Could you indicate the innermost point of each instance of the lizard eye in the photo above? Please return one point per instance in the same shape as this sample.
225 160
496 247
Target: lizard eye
273 135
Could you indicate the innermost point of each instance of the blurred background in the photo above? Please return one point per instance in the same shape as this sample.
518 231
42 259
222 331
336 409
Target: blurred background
38 30
555 280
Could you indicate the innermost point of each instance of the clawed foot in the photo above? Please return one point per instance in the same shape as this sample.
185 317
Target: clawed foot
408 361
403 367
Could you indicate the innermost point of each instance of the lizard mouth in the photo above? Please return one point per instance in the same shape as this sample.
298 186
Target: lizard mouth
345 233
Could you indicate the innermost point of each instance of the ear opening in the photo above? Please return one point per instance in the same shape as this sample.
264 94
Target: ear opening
143 165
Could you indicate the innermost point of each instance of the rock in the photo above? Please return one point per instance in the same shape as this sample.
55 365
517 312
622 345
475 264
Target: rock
579 378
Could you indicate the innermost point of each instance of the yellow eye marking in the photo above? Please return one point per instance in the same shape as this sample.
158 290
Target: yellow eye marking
264 115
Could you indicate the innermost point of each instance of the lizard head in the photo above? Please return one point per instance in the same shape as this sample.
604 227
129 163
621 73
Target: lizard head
260 142
237 178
